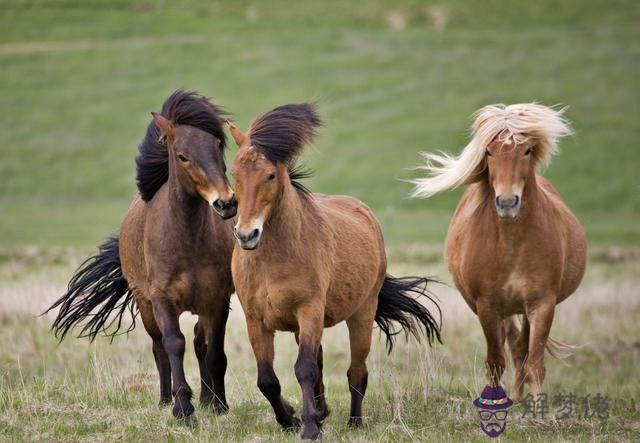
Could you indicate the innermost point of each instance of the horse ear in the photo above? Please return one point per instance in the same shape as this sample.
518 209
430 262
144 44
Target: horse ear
239 137
164 124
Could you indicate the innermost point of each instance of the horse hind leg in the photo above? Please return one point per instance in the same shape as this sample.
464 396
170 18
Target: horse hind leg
360 330
216 359
200 346
159 354
518 341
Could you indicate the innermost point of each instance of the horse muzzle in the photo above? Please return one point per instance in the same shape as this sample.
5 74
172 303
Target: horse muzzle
248 240
226 209
508 207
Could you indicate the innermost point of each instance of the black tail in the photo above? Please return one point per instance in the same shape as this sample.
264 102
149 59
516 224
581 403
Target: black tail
396 304
95 291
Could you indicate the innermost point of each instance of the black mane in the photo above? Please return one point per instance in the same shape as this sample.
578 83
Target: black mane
182 108
281 133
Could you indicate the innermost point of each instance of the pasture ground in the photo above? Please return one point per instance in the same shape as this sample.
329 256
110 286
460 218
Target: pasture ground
76 391
79 77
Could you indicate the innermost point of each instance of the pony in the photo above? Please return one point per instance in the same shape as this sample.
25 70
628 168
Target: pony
304 262
513 246
172 255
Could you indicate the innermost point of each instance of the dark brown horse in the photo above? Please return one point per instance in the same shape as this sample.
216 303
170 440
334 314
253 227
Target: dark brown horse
305 262
173 253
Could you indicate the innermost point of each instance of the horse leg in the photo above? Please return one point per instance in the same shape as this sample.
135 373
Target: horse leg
360 329
216 359
200 345
540 320
159 354
518 344
492 328
310 327
321 402
262 344
173 343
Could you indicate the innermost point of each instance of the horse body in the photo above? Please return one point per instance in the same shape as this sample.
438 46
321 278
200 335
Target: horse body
305 262
172 254
270 278
542 251
513 246
184 253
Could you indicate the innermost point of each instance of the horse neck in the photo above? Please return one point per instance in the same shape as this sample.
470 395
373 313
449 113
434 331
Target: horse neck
188 213
284 226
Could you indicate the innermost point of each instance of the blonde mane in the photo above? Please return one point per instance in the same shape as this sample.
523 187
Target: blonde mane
514 124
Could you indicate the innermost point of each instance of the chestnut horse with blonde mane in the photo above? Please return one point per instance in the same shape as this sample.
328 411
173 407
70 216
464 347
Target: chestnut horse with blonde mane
305 262
513 245
173 253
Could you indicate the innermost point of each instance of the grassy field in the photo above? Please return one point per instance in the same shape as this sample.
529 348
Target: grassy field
77 82
108 392
78 79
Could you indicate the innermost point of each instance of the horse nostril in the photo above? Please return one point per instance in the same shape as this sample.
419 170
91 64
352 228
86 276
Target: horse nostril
507 202
254 234
218 204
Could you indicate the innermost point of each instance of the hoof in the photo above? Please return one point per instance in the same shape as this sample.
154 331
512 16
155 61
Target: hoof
219 408
182 408
164 402
355 422
323 413
293 426
311 432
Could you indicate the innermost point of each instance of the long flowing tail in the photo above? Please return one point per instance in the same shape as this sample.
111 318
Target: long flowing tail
396 304
95 292
557 349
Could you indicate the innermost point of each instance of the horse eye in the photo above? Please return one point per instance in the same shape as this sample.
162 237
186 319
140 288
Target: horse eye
182 158
489 154
528 152
271 177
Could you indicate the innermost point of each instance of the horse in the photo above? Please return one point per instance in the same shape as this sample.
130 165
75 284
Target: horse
513 247
304 262
172 254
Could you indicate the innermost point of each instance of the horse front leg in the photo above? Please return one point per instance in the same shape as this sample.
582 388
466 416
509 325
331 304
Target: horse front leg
262 344
173 342
540 320
310 328
492 328
321 401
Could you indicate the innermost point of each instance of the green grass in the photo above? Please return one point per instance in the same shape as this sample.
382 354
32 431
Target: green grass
78 79
77 82
76 391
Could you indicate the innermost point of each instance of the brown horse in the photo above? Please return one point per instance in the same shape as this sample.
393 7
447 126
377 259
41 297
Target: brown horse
513 245
173 254
305 262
